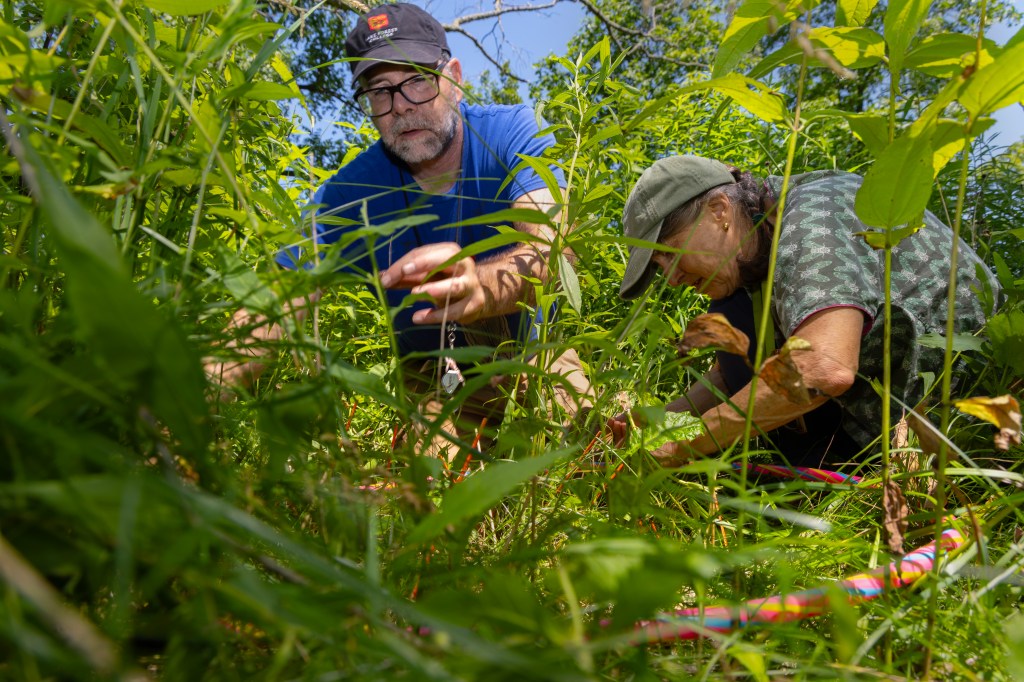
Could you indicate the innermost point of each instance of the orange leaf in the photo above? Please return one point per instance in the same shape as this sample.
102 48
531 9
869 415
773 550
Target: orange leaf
712 330
1003 411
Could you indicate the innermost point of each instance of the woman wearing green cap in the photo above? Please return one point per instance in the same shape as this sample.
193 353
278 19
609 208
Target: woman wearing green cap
714 226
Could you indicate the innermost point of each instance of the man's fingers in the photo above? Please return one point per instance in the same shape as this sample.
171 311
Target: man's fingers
444 289
414 267
452 313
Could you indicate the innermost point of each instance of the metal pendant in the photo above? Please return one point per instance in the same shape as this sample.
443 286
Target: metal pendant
452 377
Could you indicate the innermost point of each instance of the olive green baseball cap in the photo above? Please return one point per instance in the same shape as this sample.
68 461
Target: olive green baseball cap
661 189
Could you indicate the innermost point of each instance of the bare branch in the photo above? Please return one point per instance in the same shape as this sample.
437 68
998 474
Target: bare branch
501 67
499 9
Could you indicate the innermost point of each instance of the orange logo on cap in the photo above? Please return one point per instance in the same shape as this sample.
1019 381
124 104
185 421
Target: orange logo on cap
378 22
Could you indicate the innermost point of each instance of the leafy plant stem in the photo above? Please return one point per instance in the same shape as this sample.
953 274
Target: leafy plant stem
765 323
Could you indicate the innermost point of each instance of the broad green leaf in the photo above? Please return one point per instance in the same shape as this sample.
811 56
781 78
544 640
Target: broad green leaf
539 166
854 48
897 187
481 491
947 54
99 132
765 103
531 216
997 85
183 8
749 25
570 282
790 53
261 91
854 12
143 350
903 19
751 658
949 139
1006 332
1016 39
961 342
871 129
1014 629
881 239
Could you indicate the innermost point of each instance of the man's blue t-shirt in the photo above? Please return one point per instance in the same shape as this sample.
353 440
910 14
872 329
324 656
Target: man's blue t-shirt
493 137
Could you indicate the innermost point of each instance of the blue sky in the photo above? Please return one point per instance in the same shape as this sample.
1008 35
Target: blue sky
524 38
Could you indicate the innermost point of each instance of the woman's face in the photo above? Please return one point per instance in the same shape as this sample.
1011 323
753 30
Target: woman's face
704 254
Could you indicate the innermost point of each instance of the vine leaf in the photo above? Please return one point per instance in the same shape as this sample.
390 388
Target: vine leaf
1003 411
712 330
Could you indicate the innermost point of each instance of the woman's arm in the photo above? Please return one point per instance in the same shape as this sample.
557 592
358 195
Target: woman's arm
828 369
702 396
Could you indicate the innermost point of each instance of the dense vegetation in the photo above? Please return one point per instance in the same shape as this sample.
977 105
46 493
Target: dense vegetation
153 524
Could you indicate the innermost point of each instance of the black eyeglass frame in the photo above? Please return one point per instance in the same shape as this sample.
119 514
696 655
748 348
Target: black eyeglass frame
397 89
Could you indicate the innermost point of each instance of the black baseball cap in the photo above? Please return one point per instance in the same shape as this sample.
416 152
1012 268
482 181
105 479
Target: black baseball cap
395 33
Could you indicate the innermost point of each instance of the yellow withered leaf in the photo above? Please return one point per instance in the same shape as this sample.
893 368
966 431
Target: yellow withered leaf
1003 411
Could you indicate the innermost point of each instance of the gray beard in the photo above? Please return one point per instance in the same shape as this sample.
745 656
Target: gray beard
425 150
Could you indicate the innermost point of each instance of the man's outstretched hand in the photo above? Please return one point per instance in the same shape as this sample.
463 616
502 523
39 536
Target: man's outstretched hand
455 289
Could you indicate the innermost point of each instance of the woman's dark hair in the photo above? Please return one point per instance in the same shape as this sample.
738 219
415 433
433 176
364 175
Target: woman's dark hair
752 200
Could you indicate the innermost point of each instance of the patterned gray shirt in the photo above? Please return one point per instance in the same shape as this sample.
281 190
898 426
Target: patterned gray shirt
823 264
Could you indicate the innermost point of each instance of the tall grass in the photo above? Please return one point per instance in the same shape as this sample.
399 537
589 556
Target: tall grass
151 529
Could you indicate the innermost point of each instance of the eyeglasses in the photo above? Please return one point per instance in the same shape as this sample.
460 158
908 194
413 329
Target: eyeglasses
418 89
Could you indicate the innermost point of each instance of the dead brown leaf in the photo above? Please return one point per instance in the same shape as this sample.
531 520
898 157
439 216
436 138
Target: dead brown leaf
1003 411
782 374
712 330
928 436
895 510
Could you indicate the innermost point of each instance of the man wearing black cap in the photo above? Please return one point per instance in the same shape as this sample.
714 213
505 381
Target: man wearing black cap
447 163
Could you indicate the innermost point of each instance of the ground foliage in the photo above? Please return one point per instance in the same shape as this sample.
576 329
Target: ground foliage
151 526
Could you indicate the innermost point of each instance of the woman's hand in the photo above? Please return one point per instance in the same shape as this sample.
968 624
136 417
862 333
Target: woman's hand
675 454
455 288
